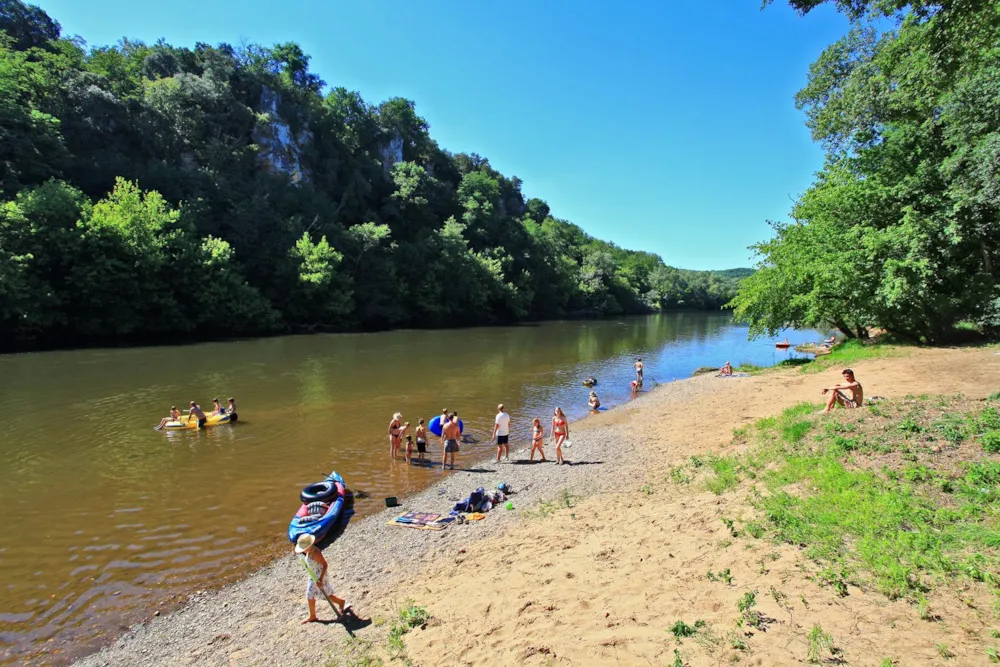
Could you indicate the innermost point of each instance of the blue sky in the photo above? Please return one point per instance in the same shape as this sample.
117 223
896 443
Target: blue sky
661 126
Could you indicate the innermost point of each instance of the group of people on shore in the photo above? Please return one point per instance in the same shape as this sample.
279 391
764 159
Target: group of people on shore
451 431
195 412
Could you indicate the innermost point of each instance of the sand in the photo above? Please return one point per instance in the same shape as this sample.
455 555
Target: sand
599 582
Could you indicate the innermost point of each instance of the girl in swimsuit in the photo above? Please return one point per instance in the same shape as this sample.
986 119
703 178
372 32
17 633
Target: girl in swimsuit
537 439
560 430
396 430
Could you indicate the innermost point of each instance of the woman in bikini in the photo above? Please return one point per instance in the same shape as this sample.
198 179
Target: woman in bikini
537 439
560 430
396 430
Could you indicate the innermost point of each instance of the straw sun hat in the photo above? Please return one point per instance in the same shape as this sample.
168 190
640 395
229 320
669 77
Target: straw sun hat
304 542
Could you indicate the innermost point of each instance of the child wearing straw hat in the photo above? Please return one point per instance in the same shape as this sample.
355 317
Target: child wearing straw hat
313 558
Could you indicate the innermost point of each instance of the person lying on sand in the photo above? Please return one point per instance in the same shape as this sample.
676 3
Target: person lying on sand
313 559
839 397
726 370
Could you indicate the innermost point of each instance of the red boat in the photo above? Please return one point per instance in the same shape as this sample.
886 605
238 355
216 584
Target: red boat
783 345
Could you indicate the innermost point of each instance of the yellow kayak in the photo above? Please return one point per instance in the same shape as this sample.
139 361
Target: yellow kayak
182 424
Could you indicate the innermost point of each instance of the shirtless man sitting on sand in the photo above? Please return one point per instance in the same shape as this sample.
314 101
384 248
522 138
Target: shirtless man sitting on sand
839 397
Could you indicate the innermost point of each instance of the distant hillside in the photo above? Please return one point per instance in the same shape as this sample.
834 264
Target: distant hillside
155 190
736 273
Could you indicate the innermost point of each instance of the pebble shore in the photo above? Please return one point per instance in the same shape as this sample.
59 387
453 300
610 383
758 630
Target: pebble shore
257 620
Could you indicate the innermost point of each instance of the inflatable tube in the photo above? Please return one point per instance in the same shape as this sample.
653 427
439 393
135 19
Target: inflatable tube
435 426
335 514
183 424
321 491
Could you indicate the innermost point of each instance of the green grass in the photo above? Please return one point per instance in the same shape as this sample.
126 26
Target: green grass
849 353
899 524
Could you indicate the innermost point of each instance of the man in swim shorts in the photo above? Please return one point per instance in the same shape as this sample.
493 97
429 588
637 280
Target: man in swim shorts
450 433
501 431
195 411
838 397
638 371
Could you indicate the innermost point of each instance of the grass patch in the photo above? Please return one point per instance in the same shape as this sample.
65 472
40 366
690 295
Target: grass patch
680 629
869 496
849 353
565 500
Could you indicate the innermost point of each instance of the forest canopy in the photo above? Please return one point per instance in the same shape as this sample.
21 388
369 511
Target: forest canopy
219 190
901 229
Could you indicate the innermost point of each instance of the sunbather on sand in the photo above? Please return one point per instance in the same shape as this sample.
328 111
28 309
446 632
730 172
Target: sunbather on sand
726 370
839 397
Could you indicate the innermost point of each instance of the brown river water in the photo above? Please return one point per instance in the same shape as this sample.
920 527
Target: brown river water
106 519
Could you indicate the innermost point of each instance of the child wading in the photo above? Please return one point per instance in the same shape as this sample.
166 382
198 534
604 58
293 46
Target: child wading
316 564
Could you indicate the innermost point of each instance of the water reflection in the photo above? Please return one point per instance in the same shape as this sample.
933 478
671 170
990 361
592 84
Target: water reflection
129 515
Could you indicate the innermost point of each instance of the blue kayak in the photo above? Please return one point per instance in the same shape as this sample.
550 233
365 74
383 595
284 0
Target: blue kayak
435 426
331 492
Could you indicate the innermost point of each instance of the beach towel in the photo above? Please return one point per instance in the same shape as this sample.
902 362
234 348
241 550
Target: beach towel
422 521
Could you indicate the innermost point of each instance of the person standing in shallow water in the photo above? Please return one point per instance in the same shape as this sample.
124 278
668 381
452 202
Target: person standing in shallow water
638 371
450 435
396 430
421 435
501 431
196 411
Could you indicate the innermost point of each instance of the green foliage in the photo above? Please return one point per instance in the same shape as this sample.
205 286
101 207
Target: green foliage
897 231
150 189
887 527
680 629
819 642
723 575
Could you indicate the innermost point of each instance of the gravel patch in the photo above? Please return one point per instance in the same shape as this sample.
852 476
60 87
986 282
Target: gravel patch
257 620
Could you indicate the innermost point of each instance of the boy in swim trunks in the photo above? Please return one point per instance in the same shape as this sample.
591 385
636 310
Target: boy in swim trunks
501 431
196 411
421 435
450 434
839 397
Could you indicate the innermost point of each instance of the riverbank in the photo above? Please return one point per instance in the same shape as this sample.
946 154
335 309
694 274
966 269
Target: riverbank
579 575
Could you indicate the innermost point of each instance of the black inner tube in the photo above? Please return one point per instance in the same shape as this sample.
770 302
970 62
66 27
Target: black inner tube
321 491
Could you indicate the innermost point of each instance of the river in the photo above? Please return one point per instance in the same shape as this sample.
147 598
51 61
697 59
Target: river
106 519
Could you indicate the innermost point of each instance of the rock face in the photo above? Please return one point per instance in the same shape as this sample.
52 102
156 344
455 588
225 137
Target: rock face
280 146
392 152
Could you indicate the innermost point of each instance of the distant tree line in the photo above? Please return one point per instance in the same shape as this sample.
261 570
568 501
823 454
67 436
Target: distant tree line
152 190
901 229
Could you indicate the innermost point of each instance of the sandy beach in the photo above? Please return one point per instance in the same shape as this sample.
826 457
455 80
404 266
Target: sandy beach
596 560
